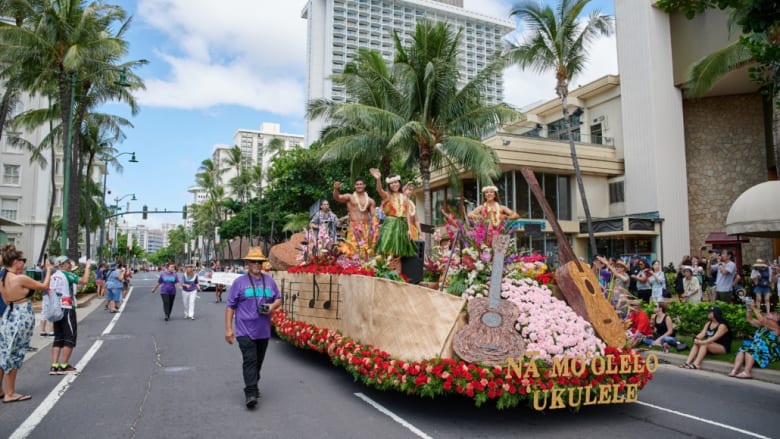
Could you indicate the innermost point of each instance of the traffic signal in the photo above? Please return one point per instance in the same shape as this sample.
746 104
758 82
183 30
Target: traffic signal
184 212
145 212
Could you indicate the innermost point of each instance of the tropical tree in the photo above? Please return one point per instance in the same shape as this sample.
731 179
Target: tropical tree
419 113
558 40
73 48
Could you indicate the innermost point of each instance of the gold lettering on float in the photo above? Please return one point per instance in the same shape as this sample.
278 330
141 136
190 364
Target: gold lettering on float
632 392
625 364
611 365
536 400
560 367
597 366
575 391
578 366
588 395
604 394
651 363
517 367
638 366
531 369
617 398
557 398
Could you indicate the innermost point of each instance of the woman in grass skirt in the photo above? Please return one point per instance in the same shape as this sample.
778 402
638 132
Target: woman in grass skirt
395 236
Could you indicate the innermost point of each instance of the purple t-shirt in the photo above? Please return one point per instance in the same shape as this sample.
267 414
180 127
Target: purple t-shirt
168 282
245 300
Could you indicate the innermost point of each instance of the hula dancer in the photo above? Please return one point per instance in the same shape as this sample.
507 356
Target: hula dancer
395 236
491 210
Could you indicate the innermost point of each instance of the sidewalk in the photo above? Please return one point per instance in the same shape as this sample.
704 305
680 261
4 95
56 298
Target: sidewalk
767 375
86 304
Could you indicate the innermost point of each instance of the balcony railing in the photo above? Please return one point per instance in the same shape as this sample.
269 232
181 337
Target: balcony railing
561 136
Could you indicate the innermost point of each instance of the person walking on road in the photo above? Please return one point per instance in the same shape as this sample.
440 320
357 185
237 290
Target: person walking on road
64 284
251 300
167 283
18 320
114 285
189 291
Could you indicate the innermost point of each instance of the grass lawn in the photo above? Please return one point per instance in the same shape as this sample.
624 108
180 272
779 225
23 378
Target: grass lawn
727 358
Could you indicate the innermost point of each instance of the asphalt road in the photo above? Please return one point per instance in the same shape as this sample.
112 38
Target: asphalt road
142 377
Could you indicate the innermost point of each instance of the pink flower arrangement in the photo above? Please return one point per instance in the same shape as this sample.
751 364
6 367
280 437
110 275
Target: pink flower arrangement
552 328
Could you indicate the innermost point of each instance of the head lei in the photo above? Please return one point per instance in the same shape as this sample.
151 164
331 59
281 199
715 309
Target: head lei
393 179
489 188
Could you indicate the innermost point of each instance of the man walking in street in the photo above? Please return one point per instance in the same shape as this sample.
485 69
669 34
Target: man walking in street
251 300
65 284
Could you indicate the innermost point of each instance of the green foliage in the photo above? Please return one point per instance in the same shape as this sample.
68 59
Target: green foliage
690 318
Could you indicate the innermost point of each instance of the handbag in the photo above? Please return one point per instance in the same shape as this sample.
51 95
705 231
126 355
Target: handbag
666 294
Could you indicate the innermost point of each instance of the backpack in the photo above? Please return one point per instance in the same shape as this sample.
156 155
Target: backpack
52 307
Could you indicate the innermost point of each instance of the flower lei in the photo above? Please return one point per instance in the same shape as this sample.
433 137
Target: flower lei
357 201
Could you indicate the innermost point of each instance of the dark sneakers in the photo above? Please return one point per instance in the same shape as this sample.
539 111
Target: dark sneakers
66 369
54 370
251 402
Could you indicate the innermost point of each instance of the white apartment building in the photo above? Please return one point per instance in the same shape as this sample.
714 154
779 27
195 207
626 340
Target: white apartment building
25 188
338 28
255 149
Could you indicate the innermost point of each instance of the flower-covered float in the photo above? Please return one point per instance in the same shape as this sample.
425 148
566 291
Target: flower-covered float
393 335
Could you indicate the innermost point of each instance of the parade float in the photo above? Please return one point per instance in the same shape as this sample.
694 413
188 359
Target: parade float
493 331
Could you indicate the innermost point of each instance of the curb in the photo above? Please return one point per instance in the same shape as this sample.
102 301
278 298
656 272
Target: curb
721 367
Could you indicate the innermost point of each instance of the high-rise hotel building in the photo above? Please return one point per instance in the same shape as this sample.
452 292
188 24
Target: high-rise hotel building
338 28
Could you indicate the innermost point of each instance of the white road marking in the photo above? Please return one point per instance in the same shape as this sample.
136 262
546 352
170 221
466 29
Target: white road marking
393 416
56 393
706 421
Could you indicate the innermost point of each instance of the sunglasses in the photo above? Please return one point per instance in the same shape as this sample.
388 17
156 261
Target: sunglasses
23 260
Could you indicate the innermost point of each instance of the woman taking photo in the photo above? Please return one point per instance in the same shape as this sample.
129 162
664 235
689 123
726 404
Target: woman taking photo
657 282
18 319
763 348
714 338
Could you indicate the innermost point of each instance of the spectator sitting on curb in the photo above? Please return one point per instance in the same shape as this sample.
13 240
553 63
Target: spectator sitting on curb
763 348
639 323
714 338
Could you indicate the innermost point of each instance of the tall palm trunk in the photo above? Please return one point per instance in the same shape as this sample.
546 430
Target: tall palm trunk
87 225
563 91
52 202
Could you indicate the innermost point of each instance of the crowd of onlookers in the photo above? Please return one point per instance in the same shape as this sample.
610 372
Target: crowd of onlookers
630 284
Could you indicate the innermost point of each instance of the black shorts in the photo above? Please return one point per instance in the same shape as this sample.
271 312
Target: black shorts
66 329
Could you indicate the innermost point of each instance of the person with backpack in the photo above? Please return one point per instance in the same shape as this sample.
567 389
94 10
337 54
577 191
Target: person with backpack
64 285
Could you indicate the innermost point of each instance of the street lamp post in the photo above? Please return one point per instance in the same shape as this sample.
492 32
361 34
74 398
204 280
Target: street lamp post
122 82
103 206
115 207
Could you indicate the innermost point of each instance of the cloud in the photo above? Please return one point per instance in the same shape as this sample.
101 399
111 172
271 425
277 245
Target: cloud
253 54
525 87
249 53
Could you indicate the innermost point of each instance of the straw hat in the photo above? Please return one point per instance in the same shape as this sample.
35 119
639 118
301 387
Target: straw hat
634 302
622 263
255 254
687 267
760 263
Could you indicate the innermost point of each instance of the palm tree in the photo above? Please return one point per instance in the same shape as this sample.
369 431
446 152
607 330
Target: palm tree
558 40
73 48
420 114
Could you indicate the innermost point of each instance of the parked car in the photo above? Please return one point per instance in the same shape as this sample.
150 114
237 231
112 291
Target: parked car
204 280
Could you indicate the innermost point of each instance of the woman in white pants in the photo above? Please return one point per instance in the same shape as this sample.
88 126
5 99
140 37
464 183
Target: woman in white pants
189 290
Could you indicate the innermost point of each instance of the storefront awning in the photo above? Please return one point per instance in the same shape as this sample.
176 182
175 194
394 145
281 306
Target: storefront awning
756 212
722 238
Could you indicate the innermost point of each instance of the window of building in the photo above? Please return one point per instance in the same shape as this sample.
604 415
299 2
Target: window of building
9 208
596 134
616 192
11 174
